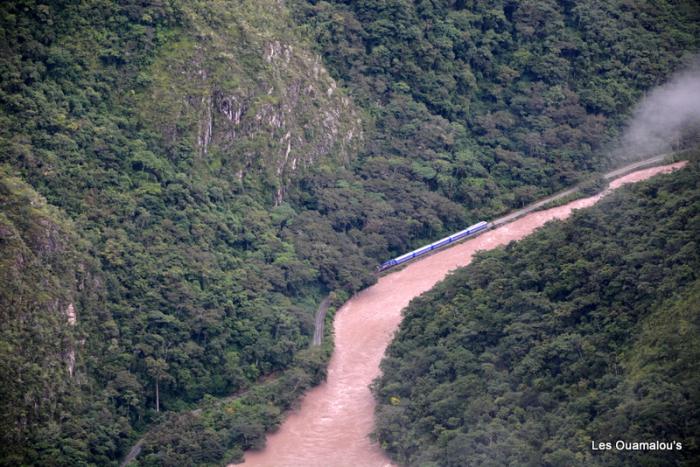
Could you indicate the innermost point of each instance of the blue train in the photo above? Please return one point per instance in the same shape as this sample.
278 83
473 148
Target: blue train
428 248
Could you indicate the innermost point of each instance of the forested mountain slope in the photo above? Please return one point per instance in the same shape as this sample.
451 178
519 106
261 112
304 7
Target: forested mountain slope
204 181
168 134
46 275
588 330
495 103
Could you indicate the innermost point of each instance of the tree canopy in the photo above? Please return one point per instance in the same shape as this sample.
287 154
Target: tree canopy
585 331
205 172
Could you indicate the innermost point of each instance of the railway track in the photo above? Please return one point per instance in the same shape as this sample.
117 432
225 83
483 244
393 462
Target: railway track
611 175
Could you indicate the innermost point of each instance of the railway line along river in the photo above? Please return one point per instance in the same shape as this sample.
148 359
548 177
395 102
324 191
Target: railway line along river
332 425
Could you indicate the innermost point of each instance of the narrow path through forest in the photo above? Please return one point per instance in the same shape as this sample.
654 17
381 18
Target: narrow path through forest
320 319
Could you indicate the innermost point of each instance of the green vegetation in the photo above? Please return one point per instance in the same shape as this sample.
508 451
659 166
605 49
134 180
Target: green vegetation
494 104
200 181
588 330
188 275
38 344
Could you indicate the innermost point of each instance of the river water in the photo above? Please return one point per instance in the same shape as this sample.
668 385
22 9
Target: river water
332 425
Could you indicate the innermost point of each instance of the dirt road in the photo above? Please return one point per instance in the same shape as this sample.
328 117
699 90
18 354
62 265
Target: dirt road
319 320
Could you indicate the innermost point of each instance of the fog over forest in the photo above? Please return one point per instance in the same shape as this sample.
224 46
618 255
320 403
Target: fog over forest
668 114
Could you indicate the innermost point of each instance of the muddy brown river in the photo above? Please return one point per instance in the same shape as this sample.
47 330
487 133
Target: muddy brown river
331 427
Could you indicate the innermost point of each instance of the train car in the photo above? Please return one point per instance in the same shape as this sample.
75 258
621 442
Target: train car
471 230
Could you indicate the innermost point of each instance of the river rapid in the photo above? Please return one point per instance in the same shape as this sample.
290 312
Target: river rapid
332 425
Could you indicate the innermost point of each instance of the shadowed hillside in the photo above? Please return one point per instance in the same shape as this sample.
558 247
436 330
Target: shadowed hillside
205 172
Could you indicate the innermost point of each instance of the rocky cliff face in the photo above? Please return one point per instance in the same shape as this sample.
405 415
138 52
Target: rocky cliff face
250 100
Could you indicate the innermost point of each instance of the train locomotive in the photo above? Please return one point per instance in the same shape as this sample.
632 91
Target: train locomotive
469 231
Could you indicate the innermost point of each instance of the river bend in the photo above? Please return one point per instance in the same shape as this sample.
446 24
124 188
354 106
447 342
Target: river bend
332 425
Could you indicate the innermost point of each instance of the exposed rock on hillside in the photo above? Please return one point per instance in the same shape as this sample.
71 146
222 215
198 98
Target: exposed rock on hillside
250 102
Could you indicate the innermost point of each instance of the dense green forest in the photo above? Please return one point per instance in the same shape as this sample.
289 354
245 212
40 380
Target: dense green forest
181 182
493 104
588 330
